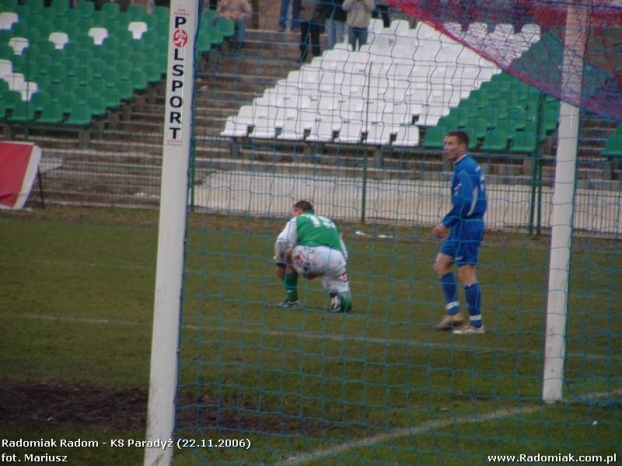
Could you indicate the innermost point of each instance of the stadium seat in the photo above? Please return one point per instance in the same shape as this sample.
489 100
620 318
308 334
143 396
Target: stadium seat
227 27
136 12
496 141
23 111
98 34
86 8
613 146
59 39
407 136
52 113
80 114
39 100
380 134
523 142
137 28
111 10
7 19
18 44
434 137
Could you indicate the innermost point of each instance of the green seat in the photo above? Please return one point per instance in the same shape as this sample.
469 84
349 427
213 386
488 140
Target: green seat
477 128
449 122
434 137
2 109
495 141
80 114
23 111
215 35
136 12
86 8
523 142
152 70
227 27
111 10
52 113
204 43
613 146
10 98
97 103
60 7
39 100
112 97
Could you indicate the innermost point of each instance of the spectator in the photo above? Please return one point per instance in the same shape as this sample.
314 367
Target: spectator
359 16
312 18
239 11
284 14
382 10
336 23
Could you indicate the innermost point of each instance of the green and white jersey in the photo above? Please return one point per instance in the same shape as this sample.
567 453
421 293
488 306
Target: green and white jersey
310 230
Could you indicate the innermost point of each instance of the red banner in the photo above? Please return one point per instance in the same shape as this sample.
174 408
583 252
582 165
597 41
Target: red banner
19 163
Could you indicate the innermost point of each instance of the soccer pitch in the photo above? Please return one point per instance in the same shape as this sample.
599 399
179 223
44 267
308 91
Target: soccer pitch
379 386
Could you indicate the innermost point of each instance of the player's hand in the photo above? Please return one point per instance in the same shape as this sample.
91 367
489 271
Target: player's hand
440 231
280 272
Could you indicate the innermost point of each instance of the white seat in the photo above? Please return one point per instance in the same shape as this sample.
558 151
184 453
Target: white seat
234 128
380 134
407 136
59 39
137 28
6 68
351 132
325 130
98 34
27 89
7 18
16 81
400 26
18 44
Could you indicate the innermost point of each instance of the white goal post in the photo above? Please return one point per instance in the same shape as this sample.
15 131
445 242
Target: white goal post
183 23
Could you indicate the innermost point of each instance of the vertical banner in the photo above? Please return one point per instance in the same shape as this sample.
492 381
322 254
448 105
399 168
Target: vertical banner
171 233
19 162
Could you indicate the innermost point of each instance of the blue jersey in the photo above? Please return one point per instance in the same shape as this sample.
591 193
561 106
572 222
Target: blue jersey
468 192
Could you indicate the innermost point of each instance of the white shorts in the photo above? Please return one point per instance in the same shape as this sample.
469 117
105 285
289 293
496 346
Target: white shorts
326 263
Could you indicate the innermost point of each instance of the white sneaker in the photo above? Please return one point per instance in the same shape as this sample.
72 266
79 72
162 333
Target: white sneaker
335 301
450 322
468 330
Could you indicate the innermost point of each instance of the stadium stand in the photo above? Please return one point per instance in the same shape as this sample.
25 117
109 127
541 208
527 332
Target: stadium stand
91 60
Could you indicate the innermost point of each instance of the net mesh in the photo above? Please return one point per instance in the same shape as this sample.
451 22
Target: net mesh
480 25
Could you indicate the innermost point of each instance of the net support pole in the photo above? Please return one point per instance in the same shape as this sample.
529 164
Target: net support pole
563 205
172 231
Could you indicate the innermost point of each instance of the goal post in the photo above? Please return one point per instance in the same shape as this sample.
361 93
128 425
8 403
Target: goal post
172 229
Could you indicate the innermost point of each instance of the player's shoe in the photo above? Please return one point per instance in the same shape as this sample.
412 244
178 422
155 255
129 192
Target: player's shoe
335 301
287 304
450 322
468 330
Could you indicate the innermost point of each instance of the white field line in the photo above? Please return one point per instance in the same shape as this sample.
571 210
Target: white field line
310 335
420 429
401 433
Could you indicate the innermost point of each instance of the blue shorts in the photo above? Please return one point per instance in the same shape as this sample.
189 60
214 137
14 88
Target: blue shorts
463 241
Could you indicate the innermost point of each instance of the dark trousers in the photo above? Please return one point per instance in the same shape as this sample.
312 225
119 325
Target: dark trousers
309 33
383 12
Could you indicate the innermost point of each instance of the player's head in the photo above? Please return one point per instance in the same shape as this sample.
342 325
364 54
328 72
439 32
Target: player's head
301 207
456 144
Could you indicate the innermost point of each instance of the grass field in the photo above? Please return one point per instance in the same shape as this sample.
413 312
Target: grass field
379 386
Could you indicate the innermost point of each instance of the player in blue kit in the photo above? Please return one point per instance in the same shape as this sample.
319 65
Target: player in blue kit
465 223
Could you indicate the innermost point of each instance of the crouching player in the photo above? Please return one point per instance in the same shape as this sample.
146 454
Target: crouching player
312 246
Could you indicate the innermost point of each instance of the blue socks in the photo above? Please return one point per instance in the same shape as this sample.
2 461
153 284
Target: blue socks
450 290
473 294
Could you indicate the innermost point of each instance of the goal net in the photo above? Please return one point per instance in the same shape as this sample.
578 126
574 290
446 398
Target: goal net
359 132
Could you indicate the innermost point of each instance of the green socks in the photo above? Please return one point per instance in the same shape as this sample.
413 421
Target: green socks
290 280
